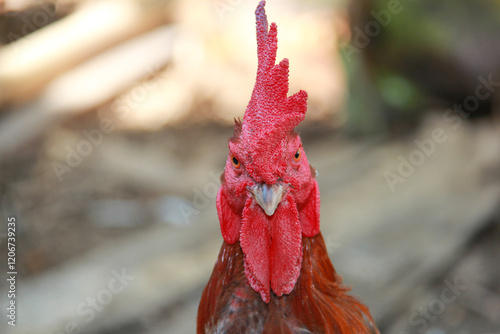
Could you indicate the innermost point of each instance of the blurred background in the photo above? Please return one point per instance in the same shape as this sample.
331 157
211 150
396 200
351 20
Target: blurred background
114 119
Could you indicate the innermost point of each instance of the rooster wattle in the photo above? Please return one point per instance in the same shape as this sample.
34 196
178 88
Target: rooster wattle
273 273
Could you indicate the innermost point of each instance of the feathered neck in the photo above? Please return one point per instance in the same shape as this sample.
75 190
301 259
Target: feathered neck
320 302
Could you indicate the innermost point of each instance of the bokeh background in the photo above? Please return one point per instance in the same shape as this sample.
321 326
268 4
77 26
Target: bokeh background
114 119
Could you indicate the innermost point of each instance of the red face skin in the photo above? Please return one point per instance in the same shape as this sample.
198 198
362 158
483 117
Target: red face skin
277 164
269 199
272 244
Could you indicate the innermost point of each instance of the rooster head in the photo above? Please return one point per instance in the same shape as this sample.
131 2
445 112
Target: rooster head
269 198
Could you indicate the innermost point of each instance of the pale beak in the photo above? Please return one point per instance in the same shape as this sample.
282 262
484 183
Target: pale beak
268 196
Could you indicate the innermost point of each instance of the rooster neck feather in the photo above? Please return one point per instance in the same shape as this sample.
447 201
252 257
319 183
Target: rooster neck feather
319 302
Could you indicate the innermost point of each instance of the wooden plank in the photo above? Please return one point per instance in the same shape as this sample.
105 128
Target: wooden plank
31 62
87 86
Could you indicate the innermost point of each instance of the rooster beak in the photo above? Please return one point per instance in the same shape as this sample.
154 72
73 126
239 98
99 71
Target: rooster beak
268 196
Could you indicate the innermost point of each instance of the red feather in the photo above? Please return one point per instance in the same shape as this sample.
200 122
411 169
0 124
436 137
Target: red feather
319 303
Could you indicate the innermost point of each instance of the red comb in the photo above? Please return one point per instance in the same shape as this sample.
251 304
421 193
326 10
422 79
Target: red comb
271 115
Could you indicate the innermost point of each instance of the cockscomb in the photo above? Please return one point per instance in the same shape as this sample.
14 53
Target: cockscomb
271 115
269 197
273 273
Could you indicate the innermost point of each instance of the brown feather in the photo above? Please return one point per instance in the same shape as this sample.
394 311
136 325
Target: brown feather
319 303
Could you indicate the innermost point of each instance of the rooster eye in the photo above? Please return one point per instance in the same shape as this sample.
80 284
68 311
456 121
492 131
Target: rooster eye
296 157
236 163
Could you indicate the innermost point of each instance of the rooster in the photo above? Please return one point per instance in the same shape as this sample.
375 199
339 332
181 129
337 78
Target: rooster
273 273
